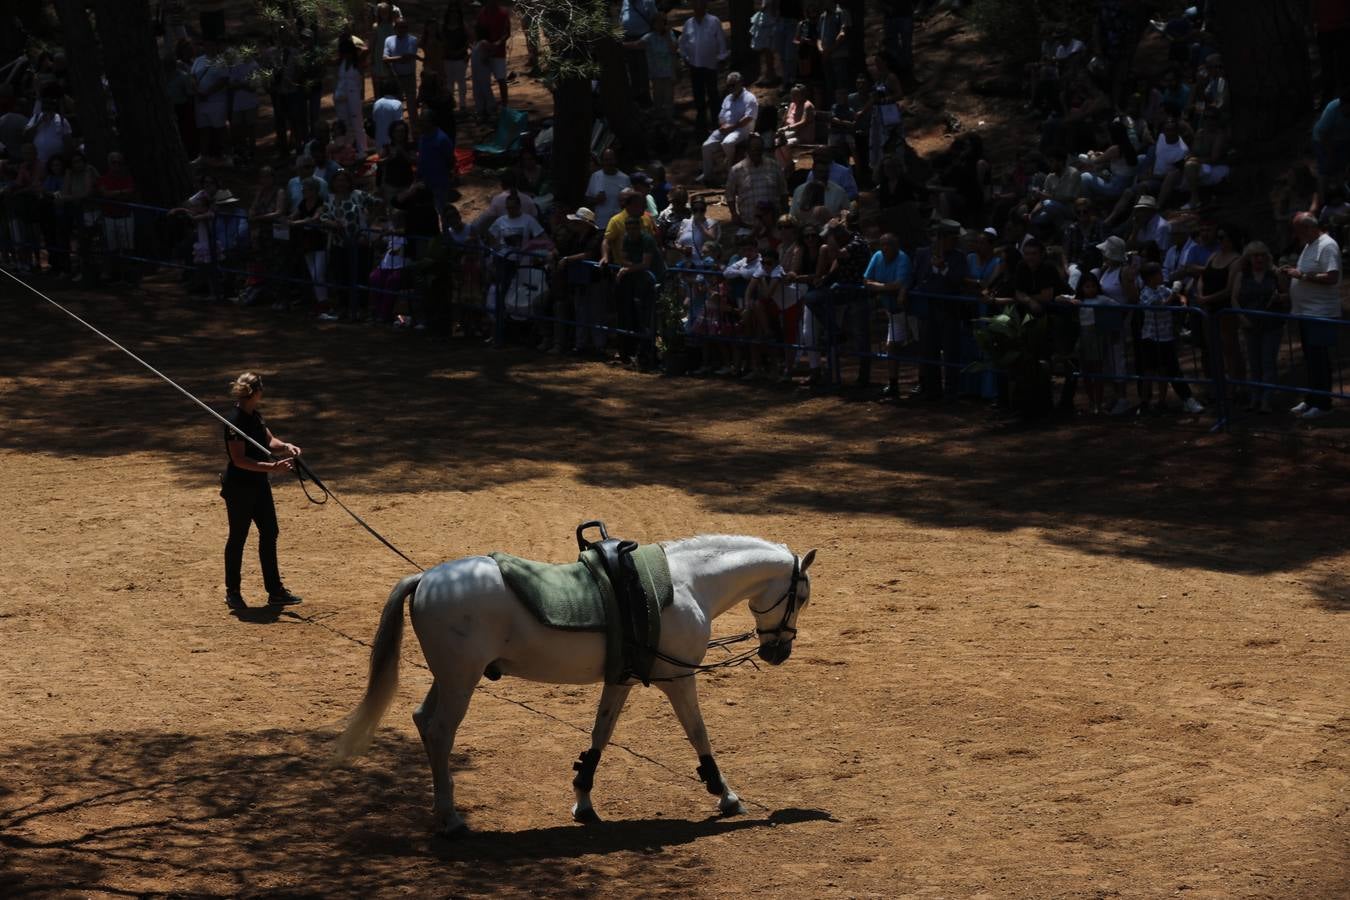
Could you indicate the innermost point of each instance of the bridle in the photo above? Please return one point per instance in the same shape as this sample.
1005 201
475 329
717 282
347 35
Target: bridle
791 600
790 597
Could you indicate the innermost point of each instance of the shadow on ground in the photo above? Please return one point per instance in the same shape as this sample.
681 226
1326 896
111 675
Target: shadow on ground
377 409
261 812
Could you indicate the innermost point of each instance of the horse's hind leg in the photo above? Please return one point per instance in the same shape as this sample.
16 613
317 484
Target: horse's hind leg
612 699
683 696
437 720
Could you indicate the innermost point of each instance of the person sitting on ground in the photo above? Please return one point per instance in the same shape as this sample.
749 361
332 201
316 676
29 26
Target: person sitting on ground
1148 225
799 125
816 192
825 168
668 220
755 178
1204 166
735 121
698 228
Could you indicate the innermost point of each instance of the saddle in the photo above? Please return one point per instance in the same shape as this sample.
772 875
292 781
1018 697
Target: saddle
616 587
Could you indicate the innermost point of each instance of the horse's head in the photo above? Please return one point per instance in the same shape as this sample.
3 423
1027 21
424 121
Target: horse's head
776 624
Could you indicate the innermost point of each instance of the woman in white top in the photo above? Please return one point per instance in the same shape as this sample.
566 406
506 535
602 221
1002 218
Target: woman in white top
1119 283
349 92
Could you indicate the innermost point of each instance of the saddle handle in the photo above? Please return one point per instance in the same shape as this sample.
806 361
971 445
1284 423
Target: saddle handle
582 544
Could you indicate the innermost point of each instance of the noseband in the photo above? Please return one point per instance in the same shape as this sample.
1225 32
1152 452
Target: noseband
790 599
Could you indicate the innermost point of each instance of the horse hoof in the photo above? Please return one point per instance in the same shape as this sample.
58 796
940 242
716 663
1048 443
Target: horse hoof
585 816
732 809
453 832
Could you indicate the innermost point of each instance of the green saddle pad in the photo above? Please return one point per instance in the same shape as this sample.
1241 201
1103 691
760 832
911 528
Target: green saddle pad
579 597
560 596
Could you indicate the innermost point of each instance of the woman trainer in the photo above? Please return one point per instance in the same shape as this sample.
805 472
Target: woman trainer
248 494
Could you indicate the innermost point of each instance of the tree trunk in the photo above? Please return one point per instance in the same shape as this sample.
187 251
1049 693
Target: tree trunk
616 99
743 59
1265 54
857 34
91 99
573 118
150 139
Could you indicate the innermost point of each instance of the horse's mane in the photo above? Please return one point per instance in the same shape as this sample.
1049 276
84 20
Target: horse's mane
719 542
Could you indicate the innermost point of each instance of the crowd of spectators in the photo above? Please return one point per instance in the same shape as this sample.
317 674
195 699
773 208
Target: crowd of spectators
837 236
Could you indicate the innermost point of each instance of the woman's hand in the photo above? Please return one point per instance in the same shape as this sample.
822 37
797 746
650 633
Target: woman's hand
283 465
291 449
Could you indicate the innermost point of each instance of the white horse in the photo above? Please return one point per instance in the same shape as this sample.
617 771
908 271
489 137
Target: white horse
467 619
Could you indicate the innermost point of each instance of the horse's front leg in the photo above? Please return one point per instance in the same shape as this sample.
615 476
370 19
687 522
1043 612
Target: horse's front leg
612 699
683 696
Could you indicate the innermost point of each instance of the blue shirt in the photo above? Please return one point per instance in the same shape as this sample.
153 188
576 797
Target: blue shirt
435 158
635 17
897 270
843 176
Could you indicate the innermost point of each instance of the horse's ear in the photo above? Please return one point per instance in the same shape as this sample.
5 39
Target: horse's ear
809 558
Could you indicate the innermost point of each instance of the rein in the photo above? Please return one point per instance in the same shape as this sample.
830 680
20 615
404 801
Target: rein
745 656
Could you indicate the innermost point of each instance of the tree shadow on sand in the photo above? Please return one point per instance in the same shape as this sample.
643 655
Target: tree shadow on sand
241 813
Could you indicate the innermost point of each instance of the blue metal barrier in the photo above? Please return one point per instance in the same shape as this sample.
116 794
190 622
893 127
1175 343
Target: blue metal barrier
845 316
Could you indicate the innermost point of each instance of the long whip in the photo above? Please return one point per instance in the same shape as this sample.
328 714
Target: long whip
302 470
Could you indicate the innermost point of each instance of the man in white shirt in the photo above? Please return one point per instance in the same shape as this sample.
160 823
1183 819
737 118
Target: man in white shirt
516 228
400 58
735 122
1315 291
703 46
386 111
602 191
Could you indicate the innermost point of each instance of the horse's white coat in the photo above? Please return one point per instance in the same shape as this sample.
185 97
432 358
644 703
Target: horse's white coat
466 619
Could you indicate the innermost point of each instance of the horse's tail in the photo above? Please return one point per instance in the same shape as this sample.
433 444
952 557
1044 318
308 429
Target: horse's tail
383 680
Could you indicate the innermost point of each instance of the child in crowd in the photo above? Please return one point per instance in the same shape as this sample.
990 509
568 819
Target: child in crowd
1157 342
386 279
763 310
1089 351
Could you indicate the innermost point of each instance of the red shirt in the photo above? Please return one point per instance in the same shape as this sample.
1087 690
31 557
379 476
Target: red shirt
110 184
497 24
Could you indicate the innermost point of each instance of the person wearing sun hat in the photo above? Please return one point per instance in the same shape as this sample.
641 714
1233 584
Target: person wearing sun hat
576 283
1149 225
1119 284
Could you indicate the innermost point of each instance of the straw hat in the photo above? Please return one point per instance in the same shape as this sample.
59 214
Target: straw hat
583 215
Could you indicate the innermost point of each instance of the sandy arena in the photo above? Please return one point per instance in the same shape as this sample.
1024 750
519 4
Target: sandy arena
1093 660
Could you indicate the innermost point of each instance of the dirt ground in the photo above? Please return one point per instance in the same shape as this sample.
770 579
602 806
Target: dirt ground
1078 661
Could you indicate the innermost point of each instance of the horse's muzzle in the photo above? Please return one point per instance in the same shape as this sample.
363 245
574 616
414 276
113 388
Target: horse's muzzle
775 654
